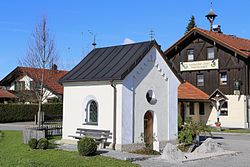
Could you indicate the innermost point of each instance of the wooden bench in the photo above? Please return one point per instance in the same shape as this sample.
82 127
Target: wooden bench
100 136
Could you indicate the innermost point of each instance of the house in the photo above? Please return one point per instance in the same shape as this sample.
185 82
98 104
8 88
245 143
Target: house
216 64
127 89
6 96
192 103
25 81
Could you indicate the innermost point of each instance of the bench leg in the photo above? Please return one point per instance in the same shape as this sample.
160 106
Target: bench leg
102 144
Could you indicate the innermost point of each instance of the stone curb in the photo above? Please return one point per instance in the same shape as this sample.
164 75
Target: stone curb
211 156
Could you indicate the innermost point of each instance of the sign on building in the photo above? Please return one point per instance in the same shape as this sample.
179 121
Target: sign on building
199 65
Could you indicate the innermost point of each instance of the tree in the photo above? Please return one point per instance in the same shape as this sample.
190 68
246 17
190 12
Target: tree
191 24
41 53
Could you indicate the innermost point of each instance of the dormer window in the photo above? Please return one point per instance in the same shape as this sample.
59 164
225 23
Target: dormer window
190 54
19 85
210 53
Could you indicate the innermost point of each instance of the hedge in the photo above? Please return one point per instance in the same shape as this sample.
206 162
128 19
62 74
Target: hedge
26 112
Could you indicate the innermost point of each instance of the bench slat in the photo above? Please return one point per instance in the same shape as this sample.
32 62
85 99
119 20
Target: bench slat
94 133
100 136
93 130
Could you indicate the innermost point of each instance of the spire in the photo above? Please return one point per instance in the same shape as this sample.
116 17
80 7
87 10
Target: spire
211 15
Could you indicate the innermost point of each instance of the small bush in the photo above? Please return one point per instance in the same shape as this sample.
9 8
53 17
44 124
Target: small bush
179 122
33 143
43 143
86 146
191 130
185 136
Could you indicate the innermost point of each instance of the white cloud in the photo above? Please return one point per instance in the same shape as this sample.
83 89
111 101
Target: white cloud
128 41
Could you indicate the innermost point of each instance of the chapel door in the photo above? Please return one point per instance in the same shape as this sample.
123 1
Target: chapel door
148 129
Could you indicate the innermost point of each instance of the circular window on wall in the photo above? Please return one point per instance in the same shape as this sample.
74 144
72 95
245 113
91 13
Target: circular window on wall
150 96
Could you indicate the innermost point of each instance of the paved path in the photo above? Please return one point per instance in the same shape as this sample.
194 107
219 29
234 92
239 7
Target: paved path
15 125
110 153
239 143
235 143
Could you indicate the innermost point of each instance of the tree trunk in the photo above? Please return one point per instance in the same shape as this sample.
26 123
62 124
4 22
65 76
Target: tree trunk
39 113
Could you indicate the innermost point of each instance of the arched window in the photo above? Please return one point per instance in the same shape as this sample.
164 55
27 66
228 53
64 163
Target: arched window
92 113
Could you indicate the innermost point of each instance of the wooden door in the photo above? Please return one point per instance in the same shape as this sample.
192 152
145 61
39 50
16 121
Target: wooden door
148 129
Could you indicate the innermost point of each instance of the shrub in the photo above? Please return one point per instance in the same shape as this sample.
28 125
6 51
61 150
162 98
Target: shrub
26 112
185 136
86 146
43 143
191 130
179 122
33 143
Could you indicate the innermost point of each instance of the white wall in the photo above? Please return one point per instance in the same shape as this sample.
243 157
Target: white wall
26 79
47 93
236 113
76 97
151 73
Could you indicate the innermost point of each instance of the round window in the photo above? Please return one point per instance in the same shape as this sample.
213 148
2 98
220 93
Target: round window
150 96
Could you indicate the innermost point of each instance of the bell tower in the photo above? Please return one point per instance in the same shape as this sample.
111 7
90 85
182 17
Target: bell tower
211 16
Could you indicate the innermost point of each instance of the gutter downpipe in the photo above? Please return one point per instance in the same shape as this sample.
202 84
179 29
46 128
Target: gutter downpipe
247 95
114 114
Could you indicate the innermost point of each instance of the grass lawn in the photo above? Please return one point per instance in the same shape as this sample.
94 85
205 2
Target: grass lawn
232 130
14 153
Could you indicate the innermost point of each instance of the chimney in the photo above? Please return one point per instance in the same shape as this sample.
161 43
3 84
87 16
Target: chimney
54 67
217 28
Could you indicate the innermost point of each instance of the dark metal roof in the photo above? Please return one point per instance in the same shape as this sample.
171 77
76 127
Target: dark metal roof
109 63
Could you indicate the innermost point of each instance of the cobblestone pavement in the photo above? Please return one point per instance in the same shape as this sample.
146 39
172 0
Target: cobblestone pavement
230 142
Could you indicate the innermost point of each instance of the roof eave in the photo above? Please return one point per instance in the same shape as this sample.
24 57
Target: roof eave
193 100
196 30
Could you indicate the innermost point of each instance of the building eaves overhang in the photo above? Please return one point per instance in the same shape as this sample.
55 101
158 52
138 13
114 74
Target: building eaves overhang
193 33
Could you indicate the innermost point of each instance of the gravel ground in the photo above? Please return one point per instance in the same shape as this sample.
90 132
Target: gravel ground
229 142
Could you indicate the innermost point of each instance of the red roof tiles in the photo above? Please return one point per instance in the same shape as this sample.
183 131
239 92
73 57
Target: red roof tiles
187 91
6 94
51 77
240 44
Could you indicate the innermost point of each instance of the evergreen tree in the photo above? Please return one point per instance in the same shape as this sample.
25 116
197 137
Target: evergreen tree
191 24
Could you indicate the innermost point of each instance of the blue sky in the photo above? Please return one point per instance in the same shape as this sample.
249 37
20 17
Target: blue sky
112 21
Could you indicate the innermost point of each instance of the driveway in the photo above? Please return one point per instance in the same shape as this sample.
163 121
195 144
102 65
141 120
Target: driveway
15 125
230 142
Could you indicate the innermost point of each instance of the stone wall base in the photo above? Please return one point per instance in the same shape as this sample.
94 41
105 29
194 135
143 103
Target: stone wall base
32 133
137 146
124 147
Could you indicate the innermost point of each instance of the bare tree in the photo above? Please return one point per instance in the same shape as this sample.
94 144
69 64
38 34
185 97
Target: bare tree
41 53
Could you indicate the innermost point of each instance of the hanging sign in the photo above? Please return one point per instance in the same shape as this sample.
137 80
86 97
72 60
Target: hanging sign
199 65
